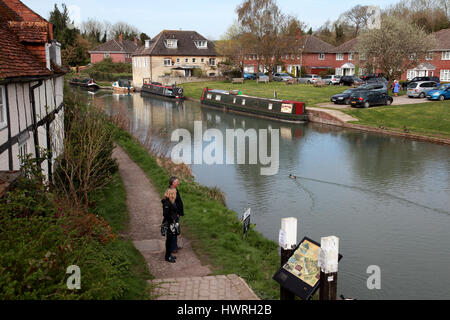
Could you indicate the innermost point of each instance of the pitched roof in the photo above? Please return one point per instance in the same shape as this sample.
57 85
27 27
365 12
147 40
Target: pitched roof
15 60
312 44
346 47
126 46
443 39
185 47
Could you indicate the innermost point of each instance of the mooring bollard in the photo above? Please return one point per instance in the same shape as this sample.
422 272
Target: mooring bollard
288 244
328 263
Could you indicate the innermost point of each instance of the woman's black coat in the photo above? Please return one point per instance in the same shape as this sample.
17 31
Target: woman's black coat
170 211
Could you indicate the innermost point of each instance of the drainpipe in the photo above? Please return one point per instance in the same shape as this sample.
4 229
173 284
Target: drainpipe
33 109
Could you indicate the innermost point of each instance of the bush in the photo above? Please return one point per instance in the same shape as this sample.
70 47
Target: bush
107 66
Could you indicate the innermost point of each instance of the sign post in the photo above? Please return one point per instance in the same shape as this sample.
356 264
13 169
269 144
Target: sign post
288 244
246 221
328 263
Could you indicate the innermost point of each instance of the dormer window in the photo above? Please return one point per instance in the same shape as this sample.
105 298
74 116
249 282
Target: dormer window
201 44
171 43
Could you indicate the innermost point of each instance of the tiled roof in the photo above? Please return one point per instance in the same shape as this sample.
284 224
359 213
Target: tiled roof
126 46
22 11
15 60
443 39
349 46
312 44
185 46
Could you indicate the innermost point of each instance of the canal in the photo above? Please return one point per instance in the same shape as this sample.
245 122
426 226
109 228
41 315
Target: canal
386 198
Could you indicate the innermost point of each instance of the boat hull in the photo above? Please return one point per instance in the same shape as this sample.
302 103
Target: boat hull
287 111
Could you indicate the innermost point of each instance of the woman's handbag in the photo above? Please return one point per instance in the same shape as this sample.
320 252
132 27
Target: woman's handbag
164 228
175 228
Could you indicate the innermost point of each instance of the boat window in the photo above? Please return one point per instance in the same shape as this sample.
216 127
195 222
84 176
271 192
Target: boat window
234 100
270 106
209 96
243 102
286 108
218 98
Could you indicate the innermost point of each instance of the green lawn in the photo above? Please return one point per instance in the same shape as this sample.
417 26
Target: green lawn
431 118
300 92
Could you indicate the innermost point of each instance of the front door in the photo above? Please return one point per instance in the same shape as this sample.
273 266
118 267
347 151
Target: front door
188 73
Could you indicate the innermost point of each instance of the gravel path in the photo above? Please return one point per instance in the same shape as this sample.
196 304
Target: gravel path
187 278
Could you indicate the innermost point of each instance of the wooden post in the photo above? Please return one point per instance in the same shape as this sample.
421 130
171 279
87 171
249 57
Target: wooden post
288 243
328 263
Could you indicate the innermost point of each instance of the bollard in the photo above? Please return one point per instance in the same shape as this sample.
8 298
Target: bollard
288 244
328 263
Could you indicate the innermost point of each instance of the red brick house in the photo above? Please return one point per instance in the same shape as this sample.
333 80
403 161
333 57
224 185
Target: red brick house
119 50
31 88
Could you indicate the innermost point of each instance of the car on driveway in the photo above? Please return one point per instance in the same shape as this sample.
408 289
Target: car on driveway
309 79
420 89
332 79
440 94
420 79
344 97
281 77
350 81
366 99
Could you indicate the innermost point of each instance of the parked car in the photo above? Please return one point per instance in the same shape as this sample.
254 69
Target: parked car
350 81
420 79
440 94
309 79
366 99
375 86
262 76
281 77
344 97
332 79
420 89
249 76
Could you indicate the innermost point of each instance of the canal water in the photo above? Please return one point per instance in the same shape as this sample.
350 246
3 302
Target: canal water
386 198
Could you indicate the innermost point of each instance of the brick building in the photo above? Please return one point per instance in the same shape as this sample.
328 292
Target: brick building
119 50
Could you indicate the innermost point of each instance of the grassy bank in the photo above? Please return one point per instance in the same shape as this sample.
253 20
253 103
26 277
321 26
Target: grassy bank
300 92
215 230
431 119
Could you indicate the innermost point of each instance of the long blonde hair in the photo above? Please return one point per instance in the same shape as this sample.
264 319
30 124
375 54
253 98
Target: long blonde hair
171 194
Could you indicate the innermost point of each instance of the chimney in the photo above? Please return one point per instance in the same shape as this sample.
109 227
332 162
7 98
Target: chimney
136 41
147 44
121 38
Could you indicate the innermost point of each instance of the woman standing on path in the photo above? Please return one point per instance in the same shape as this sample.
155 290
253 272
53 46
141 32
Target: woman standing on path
173 185
170 213
396 88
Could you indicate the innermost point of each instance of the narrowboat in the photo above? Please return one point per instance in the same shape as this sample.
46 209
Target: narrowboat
162 90
284 110
88 84
122 86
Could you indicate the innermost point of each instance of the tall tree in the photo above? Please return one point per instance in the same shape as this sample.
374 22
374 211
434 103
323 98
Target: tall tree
357 17
63 31
267 32
387 47
128 31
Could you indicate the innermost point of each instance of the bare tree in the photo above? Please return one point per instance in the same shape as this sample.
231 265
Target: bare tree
128 31
387 47
93 30
356 17
231 47
267 32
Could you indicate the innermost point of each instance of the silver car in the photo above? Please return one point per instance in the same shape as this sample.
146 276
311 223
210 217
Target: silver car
310 79
420 89
332 79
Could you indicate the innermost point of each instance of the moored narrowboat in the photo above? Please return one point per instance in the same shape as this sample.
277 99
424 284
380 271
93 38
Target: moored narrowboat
162 90
87 83
122 86
284 110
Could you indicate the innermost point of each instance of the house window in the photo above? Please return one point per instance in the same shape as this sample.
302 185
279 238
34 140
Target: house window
107 55
218 98
167 62
243 102
202 60
321 56
2 107
445 75
411 74
186 60
201 44
194 60
171 43
292 56
412 56
350 56
429 56
178 60
212 61
287 57
362 56
446 55
339 56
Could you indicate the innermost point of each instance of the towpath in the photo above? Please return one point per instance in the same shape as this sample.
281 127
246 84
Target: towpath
187 279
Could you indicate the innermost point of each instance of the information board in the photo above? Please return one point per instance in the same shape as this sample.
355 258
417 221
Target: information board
301 274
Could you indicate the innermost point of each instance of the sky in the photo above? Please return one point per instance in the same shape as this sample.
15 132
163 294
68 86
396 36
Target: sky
211 18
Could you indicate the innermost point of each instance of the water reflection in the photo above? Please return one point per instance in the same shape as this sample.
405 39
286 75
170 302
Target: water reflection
387 198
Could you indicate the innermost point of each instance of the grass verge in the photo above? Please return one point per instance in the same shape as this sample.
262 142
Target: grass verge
215 230
431 119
